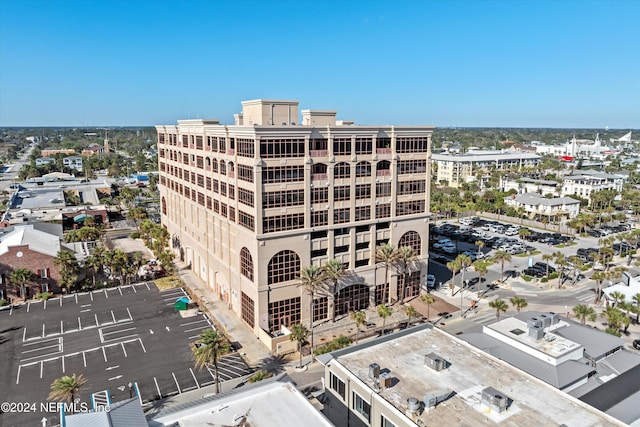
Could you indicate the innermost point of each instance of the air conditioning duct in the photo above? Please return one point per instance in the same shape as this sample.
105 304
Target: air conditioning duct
374 371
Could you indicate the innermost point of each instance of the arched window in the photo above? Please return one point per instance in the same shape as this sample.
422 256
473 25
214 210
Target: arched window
383 168
208 162
164 206
319 168
363 169
284 266
230 168
413 240
214 165
223 167
246 264
342 170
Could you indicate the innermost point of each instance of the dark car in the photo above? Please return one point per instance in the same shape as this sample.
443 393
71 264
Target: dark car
636 344
543 266
533 272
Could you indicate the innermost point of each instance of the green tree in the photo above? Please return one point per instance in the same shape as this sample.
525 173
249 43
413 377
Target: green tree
20 277
384 312
500 306
66 388
207 351
546 258
427 299
636 301
501 257
360 318
410 311
481 267
524 233
68 264
518 303
137 215
334 272
480 244
454 266
386 254
584 313
312 280
404 260
464 261
299 334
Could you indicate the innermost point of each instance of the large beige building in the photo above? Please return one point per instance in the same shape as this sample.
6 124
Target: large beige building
248 205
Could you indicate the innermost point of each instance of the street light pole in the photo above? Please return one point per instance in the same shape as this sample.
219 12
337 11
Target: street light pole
130 390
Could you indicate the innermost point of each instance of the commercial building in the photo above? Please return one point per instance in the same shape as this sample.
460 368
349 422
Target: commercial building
555 208
457 169
423 376
584 182
530 185
248 205
583 362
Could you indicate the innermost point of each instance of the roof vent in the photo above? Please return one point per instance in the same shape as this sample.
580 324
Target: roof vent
435 362
546 320
555 317
374 371
534 321
494 399
413 404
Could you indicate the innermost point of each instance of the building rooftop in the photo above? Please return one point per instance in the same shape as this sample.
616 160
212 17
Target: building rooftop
486 156
467 373
36 240
265 404
537 199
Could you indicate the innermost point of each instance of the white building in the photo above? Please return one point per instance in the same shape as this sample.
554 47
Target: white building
581 148
536 204
456 169
73 162
529 185
584 182
45 161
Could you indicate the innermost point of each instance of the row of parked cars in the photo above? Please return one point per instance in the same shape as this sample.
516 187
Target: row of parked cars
609 229
539 270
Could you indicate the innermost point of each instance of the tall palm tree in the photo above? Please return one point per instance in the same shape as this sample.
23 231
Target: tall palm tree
518 303
523 233
546 258
501 257
454 266
636 300
312 280
500 306
404 260
20 277
410 311
208 350
480 244
618 297
561 262
464 261
386 254
299 334
360 317
68 264
481 267
427 299
584 313
334 271
65 389
599 277
384 312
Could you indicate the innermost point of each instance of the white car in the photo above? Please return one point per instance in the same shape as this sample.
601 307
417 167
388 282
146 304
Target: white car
431 281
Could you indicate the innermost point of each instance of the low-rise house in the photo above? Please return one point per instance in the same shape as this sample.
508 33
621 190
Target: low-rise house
555 208
42 161
73 162
530 185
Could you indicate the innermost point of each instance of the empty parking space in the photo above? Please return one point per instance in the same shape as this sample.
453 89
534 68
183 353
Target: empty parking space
113 337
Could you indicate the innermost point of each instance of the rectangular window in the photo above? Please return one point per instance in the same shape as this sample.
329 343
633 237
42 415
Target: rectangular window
383 189
216 186
342 146
362 213
222 144
223 209
319 218
363 191
273 224
411 187
361 406
336 384
320 309
364 145
410 207
414 144
247 309
284 313
384 422
281 174
246 220
341 216
245 196
383 211
245 173
341 249
284 147
278 199
246 147
232 192
223 188
200 180
318 253
232 213
320 195
341 193
411 166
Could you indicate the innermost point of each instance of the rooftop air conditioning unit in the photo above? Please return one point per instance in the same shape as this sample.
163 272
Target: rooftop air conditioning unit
435 362
385 380
536 333
374 371
546 320
555 317
534 321
495 399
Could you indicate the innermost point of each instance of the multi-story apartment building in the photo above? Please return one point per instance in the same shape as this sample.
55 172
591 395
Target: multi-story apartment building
248 205
457 169
585 182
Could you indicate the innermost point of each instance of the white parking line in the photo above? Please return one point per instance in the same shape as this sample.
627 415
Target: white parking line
124 350
41 368
60 302
18 377
28 306
41 348
24 334
104 353
134 289
157 388
177 385
106 294
120 289
79 325
194 377
194 329
91 295
76 298
130 316
148 288
45 304
193 323
142 345
84 359
84 311
43 330
63 364
61 326
97 323
113 316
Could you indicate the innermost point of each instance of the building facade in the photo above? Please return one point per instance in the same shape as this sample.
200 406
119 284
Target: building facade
248 205
457 169
584 182
556 208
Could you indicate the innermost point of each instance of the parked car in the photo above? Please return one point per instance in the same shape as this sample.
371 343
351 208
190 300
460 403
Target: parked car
431 281
636 344
533 272
543 266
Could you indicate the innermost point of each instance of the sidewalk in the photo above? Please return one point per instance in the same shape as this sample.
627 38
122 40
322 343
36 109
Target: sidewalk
251 348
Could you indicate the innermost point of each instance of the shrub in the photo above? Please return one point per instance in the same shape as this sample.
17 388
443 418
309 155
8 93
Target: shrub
544 280
259 376
135 235
3 302
335 344
553 275
43 296
527 278
613 331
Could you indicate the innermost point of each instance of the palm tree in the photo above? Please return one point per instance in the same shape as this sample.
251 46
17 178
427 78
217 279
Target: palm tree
65 389
68 264
524 233
410 311
384 312
599 277
386 254
334 271
480 244
299 334
618 297
584 313
500 306
501 257
636 301
312 280
481 267
360 317
518 303
454 266
464 262
427 299
561 261
546 258
404 259
208 350
20 276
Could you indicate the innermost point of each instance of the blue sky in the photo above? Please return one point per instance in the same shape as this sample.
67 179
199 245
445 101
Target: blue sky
445 63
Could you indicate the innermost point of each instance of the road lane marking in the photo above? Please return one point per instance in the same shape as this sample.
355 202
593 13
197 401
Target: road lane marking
157 388
192 323
194 377
113 316
177 385
84 359
76 298
130 316
61 327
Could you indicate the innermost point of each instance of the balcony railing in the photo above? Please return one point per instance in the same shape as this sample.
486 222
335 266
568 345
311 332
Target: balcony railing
231 174
383 150
231 151
319 176
383 172
318 153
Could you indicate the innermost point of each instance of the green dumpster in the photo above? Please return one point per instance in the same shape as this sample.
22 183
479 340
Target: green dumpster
181 303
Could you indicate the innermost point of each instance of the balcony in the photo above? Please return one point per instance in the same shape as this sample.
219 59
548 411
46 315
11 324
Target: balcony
383 172
383 150
319 177
231 174
231 151
318 153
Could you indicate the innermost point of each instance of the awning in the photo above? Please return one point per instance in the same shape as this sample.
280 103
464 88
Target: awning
80 218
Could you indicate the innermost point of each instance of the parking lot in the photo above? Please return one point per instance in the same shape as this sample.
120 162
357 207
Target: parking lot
114 337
